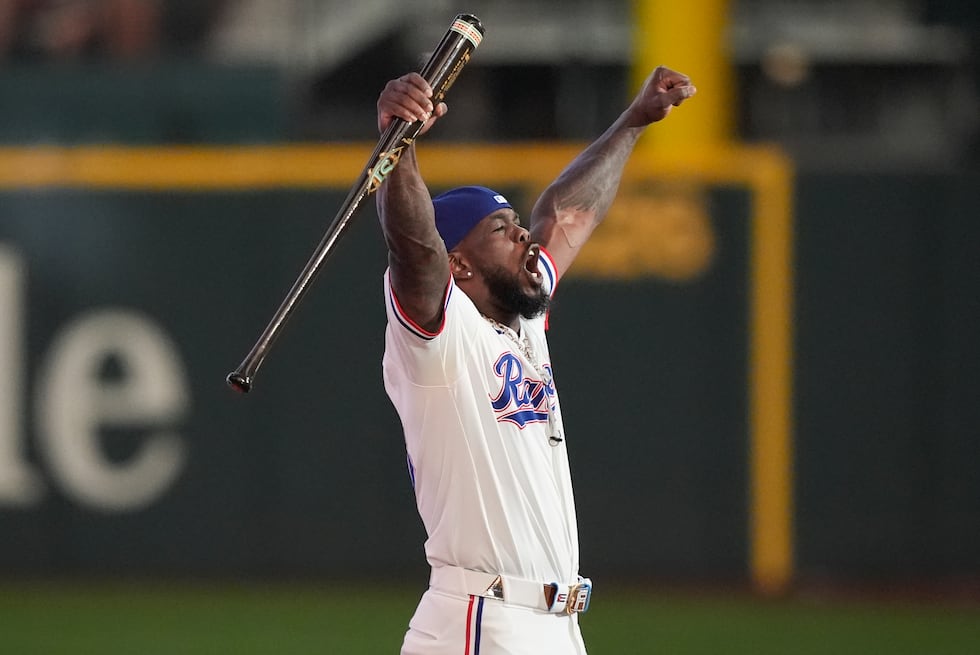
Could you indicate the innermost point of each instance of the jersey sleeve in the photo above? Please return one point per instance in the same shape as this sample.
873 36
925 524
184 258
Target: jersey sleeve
547 266
426 358
397 315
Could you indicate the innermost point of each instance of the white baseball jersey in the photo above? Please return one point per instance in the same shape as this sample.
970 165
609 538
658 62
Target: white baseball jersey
493 493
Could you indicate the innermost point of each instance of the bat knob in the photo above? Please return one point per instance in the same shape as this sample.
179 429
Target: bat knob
238 382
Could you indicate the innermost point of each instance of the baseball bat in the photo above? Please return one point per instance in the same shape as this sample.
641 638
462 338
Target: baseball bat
440 71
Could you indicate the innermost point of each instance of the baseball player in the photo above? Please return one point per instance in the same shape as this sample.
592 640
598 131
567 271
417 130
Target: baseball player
467 367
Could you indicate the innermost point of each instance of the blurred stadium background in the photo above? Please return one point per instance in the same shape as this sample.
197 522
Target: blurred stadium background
774 434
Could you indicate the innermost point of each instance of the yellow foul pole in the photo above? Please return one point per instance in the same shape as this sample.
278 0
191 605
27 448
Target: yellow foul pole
688 37
691 37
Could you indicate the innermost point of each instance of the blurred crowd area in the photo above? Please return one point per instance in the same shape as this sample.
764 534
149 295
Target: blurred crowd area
66 30
860 82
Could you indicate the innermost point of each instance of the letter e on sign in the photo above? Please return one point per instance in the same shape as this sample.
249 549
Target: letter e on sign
74 404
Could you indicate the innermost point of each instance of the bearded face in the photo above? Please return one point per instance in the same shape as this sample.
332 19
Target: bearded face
507 290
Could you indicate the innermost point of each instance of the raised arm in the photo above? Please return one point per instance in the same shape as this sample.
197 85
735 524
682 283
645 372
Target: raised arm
576 202
417 259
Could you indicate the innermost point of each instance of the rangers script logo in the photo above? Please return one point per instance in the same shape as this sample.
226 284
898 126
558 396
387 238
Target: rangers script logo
521 399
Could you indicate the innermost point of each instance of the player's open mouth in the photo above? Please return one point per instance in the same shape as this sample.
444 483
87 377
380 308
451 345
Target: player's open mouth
531 263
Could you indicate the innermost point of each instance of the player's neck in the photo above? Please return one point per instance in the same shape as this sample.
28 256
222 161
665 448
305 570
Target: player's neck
487 305
511 320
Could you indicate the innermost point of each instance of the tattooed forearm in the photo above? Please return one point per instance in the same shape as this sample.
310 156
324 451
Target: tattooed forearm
405 210
416 254
580 197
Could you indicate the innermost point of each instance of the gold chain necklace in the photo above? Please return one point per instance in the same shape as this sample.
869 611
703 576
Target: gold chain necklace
523 344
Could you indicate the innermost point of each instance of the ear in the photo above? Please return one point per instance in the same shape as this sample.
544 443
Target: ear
459 268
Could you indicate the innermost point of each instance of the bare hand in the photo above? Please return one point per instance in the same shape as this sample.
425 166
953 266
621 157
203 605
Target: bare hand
663 90
409 98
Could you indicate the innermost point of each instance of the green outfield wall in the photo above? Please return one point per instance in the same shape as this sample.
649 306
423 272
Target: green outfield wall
122 307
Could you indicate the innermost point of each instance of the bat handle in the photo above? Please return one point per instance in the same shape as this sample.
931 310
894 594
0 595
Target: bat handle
241 378
239 381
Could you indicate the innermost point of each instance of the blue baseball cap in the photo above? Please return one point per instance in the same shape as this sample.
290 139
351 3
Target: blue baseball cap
458 210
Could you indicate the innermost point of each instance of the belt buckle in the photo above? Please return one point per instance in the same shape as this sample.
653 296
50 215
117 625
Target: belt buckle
579 595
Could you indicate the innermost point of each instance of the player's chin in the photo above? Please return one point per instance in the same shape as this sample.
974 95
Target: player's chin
536 306
535 302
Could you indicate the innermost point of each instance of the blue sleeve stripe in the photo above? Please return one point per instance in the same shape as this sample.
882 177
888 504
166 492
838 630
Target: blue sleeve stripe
548 264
